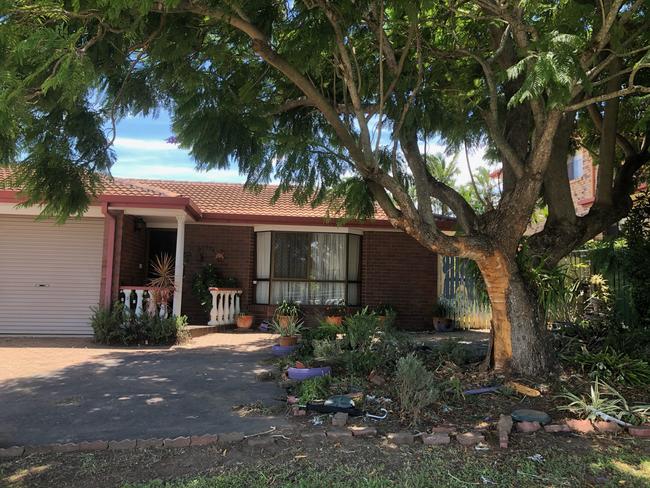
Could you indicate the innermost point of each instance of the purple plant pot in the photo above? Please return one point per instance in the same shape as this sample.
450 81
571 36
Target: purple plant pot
283 350
301 374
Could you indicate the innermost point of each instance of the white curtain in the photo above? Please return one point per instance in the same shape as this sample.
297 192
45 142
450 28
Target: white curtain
263 255
328 256
262 292
291 291
354 253
327 293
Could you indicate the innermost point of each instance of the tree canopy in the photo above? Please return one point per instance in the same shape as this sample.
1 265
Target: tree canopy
334 98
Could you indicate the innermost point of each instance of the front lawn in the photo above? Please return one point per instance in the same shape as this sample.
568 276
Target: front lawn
563 461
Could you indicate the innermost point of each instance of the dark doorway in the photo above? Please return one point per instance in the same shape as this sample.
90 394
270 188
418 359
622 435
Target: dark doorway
161 241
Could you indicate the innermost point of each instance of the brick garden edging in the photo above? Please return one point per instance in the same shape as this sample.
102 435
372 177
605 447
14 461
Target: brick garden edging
337 434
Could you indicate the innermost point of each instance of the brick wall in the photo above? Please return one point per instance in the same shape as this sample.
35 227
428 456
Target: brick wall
582 189
398 271
202 243
133 252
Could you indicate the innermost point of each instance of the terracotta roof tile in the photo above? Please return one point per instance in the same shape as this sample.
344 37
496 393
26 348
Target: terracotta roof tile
213 198
234 199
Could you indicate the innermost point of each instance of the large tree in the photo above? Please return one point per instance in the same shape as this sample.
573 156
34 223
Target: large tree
310 90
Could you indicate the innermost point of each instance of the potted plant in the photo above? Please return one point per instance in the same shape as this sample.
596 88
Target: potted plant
286 312
288 332
383 311
162 283
244 320
334 314
442 321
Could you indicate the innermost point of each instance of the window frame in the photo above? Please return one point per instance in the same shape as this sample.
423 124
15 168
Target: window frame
346 282
572 173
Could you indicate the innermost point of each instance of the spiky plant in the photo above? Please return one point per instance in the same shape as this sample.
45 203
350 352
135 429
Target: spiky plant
162 282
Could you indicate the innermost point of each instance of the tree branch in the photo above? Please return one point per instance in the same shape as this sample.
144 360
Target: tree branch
631 90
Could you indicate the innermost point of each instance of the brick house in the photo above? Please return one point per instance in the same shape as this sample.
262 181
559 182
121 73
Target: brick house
582 174
50 275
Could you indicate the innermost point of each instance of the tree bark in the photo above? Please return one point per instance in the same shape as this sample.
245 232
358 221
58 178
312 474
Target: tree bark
520 342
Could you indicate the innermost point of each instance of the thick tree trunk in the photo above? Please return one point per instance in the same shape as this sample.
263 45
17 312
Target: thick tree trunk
520 342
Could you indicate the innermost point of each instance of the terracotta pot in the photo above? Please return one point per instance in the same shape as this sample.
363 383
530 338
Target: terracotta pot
334 319
244 321
288 341
443 324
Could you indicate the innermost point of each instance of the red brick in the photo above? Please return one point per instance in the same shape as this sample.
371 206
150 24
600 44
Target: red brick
202 242
398 270
93 446
438 439
203 440
149 443
177 442
11 452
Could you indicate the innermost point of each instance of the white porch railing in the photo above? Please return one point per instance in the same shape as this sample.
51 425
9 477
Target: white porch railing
225 305
137 299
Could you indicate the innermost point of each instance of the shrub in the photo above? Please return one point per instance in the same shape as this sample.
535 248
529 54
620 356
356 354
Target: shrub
360 363
360 328
110 327
156 330
327 349
316 388
604 399
416 387
209 276
289 309
107 324
613 366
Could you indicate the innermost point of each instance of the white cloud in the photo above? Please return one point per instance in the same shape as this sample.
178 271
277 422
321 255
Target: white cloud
144 144
165 172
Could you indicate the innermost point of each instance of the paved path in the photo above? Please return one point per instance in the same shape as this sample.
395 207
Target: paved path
63 390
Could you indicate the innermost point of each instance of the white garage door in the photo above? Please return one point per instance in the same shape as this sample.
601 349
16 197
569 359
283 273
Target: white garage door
49 275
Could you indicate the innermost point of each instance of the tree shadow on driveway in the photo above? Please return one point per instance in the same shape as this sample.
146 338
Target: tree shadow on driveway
139 394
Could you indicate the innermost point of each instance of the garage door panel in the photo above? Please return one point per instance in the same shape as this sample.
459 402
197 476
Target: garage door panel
66 258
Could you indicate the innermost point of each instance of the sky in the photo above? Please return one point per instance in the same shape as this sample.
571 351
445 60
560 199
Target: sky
142 152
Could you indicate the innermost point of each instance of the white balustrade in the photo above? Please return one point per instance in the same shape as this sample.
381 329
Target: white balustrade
145 300
225 305
139 293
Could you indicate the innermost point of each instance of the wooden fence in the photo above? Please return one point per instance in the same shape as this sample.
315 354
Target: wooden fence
458 291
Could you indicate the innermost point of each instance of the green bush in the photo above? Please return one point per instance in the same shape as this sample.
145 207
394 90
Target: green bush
209 276
360 363
111 327
360 329
416 387
107 324
317 388
613 366
327 349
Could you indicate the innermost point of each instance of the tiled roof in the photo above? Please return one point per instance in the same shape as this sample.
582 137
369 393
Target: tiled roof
234 199
111 186
212 198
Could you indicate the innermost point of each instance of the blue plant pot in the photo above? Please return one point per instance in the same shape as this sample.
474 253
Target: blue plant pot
283 350
300 374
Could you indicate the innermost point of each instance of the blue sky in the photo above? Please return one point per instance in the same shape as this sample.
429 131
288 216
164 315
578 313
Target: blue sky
143 153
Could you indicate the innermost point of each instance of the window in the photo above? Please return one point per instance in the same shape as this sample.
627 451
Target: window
316 268
575 166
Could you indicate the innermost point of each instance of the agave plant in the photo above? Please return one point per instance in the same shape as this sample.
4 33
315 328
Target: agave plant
602 399
162 282
605 401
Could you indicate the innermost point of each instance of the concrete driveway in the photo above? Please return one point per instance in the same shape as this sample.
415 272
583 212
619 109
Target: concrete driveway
69 390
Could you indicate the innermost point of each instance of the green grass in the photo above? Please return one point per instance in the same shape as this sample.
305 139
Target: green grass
442 468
